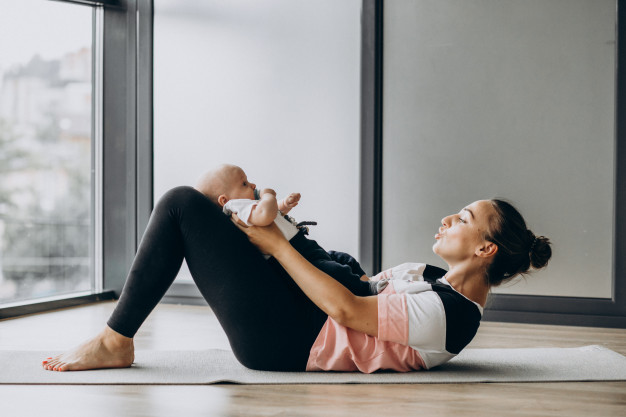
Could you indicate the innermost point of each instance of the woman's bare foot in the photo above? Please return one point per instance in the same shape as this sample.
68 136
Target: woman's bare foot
109 349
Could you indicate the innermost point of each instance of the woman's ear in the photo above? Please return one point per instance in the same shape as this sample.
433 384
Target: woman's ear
487 250
222 200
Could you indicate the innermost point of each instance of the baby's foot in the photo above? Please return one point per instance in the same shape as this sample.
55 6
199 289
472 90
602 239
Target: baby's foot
109 349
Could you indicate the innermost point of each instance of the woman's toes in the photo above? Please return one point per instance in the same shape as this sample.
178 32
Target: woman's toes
50 365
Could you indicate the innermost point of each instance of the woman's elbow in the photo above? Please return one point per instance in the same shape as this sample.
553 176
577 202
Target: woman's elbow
360 314
343 314
339 315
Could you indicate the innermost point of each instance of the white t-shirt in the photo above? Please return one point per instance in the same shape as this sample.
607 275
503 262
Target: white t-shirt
422 322
243 207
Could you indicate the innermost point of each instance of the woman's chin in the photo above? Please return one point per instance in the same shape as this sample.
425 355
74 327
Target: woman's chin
437 249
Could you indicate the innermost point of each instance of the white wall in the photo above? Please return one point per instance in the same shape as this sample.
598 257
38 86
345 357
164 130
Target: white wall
507 98
272 86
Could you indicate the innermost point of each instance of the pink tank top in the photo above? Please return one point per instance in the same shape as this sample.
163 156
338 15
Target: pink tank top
338 348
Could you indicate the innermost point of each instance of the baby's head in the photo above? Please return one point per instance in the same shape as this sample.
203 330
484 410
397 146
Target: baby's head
226 182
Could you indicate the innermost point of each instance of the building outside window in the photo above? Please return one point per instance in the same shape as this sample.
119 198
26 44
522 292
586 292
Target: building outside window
48 174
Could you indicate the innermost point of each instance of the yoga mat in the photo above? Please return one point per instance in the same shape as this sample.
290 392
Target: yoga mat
588 363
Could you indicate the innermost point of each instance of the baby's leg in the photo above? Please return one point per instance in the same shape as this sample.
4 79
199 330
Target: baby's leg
344 275
349 274
346 259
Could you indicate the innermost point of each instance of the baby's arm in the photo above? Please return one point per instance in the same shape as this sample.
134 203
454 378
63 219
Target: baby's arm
265 211
288 202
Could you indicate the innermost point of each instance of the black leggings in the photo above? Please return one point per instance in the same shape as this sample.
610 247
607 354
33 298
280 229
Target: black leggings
269 321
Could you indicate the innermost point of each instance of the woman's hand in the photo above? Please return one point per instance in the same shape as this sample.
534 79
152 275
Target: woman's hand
268 239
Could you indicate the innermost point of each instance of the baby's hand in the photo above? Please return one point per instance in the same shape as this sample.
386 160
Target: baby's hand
288 202
292 200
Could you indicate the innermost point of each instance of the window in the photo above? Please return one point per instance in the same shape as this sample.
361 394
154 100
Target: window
48 151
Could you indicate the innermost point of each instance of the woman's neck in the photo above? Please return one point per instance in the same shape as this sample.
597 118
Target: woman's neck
469 281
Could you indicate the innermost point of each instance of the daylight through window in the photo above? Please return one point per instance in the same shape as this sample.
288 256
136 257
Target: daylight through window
46 150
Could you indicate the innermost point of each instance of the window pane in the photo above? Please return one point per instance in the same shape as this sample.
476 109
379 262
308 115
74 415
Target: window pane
46 203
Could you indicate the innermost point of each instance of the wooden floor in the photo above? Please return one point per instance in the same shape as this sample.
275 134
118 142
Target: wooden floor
190 327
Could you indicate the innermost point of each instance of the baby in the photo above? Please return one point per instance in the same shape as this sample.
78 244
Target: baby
229 188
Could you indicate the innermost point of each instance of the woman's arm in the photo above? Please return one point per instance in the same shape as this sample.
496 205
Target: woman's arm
347 309
358 313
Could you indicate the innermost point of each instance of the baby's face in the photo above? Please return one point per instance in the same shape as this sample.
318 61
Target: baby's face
238 184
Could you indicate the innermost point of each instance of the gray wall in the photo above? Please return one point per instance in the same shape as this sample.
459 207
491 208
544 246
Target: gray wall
272 86
504 98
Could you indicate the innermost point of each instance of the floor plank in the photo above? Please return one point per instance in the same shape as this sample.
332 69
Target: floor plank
192 327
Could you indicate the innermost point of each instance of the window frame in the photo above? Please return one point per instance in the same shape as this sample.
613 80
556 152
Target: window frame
124 129
127 118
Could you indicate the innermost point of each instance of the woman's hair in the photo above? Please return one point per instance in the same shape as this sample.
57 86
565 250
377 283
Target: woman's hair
518 248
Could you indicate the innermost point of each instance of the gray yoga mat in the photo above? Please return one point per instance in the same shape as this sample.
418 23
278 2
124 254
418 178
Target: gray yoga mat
589 363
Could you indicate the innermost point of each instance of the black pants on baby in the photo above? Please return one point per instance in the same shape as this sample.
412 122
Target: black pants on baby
270 323
341 266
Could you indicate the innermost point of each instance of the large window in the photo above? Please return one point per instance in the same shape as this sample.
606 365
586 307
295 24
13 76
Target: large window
48 169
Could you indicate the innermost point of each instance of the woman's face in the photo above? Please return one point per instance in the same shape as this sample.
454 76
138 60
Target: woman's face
461 235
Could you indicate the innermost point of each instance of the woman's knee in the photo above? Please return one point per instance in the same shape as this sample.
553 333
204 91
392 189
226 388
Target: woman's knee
181 192
182 196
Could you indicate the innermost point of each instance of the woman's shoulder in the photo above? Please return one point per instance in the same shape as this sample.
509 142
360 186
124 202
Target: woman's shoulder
462 317
419 268
443 314
413 271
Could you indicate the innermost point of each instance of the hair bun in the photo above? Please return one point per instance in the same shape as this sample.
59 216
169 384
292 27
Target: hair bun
540 251
519 250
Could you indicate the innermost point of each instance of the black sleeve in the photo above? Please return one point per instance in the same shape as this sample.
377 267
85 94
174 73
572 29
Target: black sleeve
462 318
345 259
432 273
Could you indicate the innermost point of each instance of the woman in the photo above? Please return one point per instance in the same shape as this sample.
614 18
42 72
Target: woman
285 315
